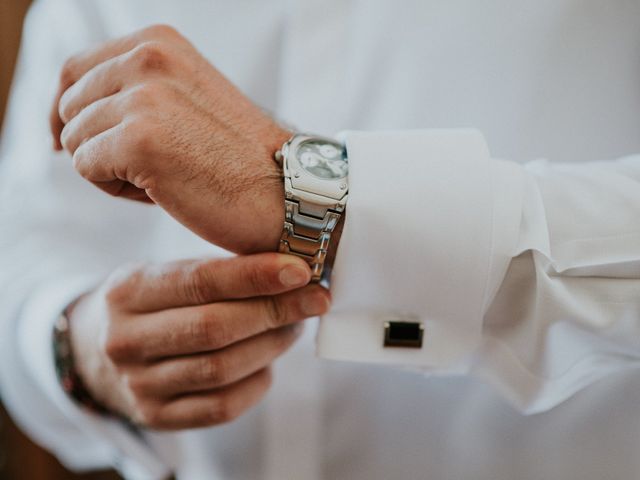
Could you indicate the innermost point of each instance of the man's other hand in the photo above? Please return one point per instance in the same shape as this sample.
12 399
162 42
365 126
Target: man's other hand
189 344
147 117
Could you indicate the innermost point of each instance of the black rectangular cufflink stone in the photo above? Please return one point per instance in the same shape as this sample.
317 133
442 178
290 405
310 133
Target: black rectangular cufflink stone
403 334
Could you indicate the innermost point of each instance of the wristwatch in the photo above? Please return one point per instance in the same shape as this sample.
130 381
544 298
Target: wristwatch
68 376
316 188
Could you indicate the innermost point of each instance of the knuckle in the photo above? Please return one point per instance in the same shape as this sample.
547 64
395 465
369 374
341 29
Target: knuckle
116 295
119 348
152 56
210 331
150 415
144 180
255 277
199 282
138 386
161 30
261 274
220 333
82 160
121 283
276 312
134 124
69 72
65 135
140 96
225 410
214 370
65 110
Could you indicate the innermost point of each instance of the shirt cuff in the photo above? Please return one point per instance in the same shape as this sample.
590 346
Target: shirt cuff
432 223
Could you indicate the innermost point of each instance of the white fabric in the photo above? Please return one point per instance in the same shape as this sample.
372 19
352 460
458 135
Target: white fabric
443 266
525 272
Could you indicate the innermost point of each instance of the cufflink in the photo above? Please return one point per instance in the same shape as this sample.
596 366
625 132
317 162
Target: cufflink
403 334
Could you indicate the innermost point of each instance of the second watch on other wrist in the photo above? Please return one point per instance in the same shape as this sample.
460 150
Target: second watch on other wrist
316 189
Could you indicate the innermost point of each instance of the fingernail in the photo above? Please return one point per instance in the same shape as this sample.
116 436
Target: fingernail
315 304
294 276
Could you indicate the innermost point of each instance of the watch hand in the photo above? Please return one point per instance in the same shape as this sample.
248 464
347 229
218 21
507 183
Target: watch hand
335 168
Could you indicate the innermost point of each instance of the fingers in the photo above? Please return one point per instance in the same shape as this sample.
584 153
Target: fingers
114 75
94 158
100 82
77 66
55 122
197 373
206 408
91 121
198 282
190 330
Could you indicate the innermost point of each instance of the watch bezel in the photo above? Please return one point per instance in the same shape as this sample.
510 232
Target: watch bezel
318 190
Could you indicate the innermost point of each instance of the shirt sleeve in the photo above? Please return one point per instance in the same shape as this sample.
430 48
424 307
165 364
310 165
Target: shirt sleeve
58 238
527 276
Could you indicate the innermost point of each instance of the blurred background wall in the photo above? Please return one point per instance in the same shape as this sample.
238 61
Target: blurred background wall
11 15
20 459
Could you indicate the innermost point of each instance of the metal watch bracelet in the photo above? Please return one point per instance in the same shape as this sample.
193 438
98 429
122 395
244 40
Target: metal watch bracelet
316 189
66 372
307 233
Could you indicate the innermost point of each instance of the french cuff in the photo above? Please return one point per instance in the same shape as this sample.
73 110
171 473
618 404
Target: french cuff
432 223
98 441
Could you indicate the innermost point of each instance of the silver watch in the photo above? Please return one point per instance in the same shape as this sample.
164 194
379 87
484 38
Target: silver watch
316 188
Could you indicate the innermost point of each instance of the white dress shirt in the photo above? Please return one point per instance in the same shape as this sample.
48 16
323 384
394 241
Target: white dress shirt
525 271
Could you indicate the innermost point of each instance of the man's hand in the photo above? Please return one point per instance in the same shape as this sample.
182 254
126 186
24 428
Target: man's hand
189 344
148 118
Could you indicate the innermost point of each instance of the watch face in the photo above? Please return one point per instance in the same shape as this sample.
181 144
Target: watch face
323 160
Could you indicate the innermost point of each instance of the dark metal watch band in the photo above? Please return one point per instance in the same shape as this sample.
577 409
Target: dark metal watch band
66 371
307 233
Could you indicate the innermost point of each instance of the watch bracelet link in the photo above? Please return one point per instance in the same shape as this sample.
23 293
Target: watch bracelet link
307 233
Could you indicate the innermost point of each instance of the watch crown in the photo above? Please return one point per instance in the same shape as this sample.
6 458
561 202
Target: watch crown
278 157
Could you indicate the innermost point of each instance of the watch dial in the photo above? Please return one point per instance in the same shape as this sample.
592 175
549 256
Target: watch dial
323 160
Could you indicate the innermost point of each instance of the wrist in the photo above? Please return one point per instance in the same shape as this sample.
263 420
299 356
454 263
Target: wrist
65 357
87 318
267 228
273 215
